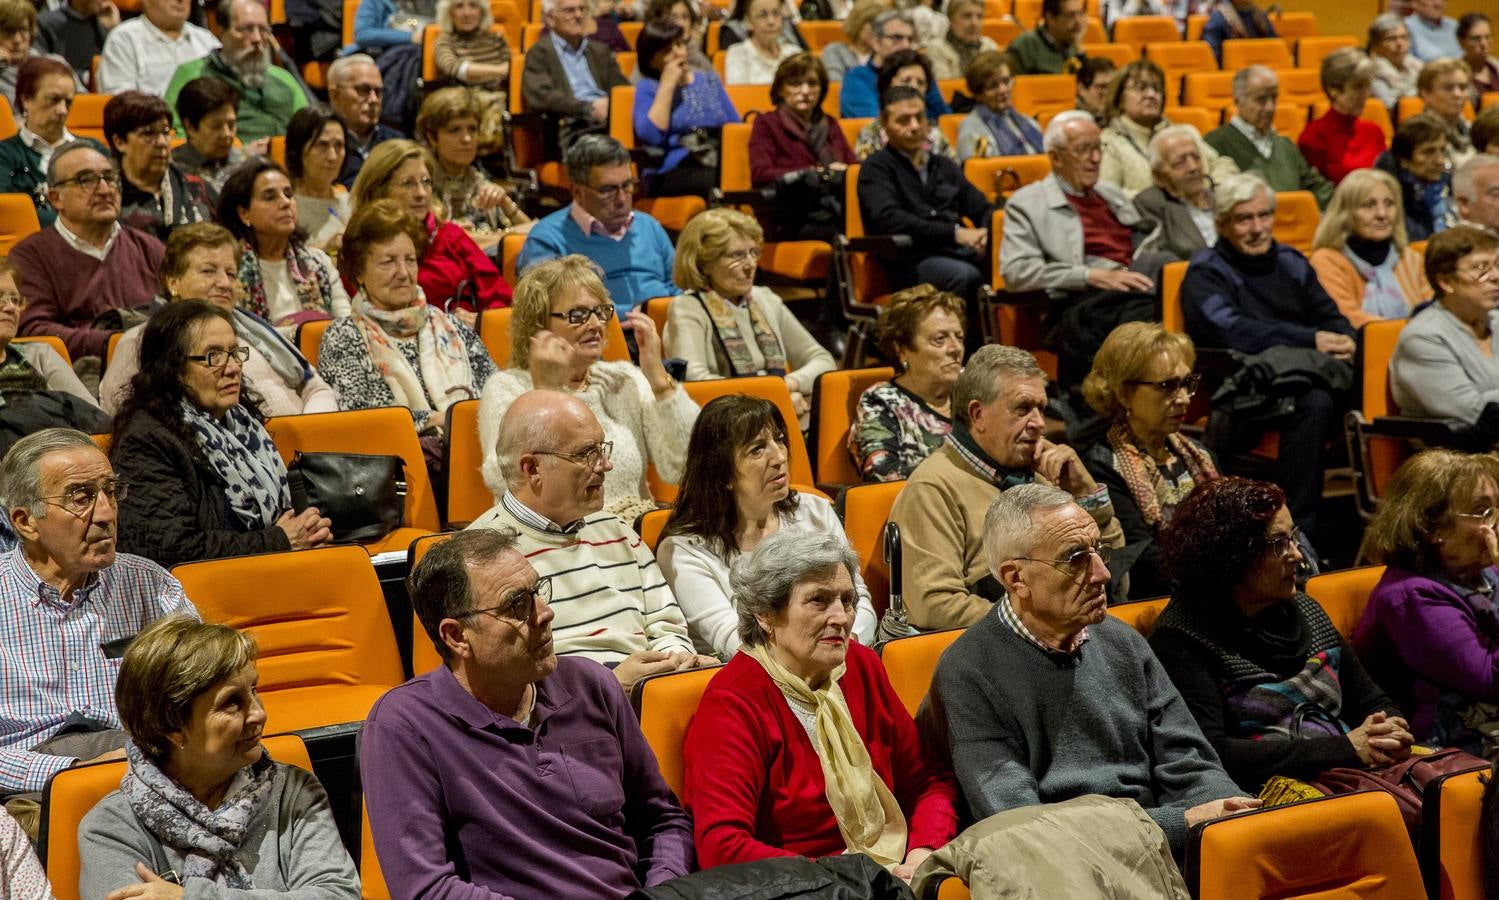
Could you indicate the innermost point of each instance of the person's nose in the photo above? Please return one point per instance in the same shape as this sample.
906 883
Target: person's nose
1098 572
106 509
778 455
544 614
232 366
257 715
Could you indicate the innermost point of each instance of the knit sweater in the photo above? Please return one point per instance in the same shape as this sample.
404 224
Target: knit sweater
691 335
609 597
1346 286
1285 170
1126 165
1336 144
1253 303
66 290
645 431
636 267
1438 370
1026 726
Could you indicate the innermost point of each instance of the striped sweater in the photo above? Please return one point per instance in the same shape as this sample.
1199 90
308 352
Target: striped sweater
609 598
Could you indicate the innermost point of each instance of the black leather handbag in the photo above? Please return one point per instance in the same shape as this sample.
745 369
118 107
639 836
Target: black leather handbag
363 495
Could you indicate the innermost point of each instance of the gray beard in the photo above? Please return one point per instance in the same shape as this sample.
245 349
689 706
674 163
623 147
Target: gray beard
252 70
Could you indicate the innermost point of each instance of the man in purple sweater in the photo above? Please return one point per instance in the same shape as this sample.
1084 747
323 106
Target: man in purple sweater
508 771
85 263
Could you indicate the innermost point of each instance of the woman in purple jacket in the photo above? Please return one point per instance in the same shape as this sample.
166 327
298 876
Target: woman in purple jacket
1430 632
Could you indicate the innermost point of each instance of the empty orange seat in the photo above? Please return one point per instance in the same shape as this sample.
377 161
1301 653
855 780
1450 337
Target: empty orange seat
1209 90
1344 594
1138 31
18 221
1296 219
1049 94
1177 59
835 401
1241 53
865 508
912 661
1312 49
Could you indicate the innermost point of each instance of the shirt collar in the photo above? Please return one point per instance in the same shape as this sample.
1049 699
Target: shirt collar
1007 615
592 226
450 695
563 46
530 517
968 449
84 247
1254 134
41 592
39 144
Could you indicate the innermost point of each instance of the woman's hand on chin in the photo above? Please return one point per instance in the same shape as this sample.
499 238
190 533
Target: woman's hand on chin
151 887
553 361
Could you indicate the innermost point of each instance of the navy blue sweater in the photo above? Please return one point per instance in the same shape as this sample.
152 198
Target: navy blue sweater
1253 303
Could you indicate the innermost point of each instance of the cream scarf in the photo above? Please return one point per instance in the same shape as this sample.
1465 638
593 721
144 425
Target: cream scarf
869 818
445 376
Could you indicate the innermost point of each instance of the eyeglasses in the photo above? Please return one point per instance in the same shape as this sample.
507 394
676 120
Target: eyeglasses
409 184
80 500
1487 516
12 298
1145 87
1281 545
366 91
899 38
165 133
218 358
1076 564
570 11
520 607
1171 386
579 314
1481 272
90 180
610 191
740 256
592 458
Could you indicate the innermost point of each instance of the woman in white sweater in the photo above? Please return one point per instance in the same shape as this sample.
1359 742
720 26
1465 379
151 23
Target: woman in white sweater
557 328
739 441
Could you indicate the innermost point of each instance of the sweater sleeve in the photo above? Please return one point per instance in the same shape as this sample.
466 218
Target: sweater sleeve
1425 367
766 153
665 625
646 131
60 376
667 424
983 740
689 337
44 301
932 575
805 358
1439 640
874 439
313 856
698 578
1321 308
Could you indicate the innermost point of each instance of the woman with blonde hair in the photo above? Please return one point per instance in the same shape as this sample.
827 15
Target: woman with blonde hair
1444 86
1142 382
557 337
1431 628
1137 110
1361 253
858 46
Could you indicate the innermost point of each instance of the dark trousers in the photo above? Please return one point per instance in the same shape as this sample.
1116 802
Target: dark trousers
1299 463
953 274
1080 324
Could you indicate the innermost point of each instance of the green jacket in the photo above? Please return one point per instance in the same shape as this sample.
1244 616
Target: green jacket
263 111
1285 170
21 172
1035 53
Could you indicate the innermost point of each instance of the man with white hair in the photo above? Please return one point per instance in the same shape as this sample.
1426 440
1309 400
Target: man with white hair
356 91
268 94
1251 141
1181 200
1048 697
568 76
141 54
1475 192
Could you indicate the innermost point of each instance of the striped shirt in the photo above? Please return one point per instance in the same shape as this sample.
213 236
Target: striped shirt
52 665
609 597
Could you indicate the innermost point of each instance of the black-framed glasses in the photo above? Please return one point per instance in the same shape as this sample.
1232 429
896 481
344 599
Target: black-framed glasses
520 607
579 314
90 180
1076 564
1281 545
591 458
610 191
80 499
218 358
1489 516
149 133
1171 386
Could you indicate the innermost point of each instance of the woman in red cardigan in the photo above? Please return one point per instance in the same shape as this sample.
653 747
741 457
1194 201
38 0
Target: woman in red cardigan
1339 141
800 746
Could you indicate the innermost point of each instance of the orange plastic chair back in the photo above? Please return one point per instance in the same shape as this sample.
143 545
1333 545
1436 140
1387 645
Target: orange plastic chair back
1172 276
51 340
659 309
1004 175
1452 842
1311 50
622 115
869 283
819 34
468 495
835 399
768 387
371 879
429 54
424 657
1044 94
748 98
310 337
734 164
351 8
18 221
666 704
910 662
1140 614
1121 54
7 121
1301 87
1344 594
86 118
953 889
1002 31
1376 347
1296 219
1291 26
1241 53
1209 90
1138 31
1204 120
1177 59
651 527
866 509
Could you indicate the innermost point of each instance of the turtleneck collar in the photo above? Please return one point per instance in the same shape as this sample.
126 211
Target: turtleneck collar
1372 252
1263 264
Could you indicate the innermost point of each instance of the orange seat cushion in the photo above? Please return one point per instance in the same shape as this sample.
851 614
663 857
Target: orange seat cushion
318 706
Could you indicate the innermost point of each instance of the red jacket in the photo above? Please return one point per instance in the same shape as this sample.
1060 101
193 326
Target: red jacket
451 258
774 151
754 782
1336 144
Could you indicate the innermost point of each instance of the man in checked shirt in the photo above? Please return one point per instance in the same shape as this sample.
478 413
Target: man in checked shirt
69 605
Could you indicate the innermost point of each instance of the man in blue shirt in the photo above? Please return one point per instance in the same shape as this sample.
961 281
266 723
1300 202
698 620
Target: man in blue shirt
1433 33
568 76
860 98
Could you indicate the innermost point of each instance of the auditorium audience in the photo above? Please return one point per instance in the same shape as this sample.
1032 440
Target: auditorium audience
1137 104
1340 141
449 125
317 144
903 68
1476 35
1030 717
467 788
1114 10
1055 45
953 56
469 52
754 60
1395 67
1180 202
207 110
202 263
202 797
800 745
1273 686
1142 384
739 441
679 113
156 195
1417 160
1445 87
900 422
995 127
142 53
1095 78
1475 192
738 26
568 76
1433 34
1362 255
355 91
860 41
1444 364
29 365
1235 20
1251 141
996 443
557 338
44 95
860 98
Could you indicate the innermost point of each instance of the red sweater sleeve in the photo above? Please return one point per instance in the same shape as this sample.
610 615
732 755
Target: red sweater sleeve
452 258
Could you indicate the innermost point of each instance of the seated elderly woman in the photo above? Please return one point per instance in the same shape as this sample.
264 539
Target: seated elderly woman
802 152
44 95
207 108
469 51
1446 362
1137 104
1142 383
858 39
156 195
678 111
448 125
395 350
903 68
1475 33
1417 159
965 42
1445 86
738 441
455 274
281 278
202 798
802 707
557 336
1395 66
727 327
317 143
995 128
900 422
1340 141
202 263
1274 687
1361 252
755 59
1428 630
207 481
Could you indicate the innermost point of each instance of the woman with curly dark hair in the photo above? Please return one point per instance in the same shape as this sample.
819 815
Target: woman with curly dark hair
1274 687
191 442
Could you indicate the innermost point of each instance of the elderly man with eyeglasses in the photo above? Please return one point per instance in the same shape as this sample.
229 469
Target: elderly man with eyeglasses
612 603
568 75
511 770
1047 697
70 606
84 264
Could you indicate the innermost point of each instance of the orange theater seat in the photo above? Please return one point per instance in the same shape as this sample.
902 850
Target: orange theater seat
1312 49
1242 53
768 387
1177 59
1172 276
18 221
912 661
1140 614
1000 176
835 402
468 495
665 705
1138 31
51 340
1344 594
1296 219
1037 95
865 509
1452 836
7 121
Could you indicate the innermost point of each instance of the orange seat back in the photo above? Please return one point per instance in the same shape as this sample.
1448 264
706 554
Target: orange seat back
865 509
1138 31
1376 346
1296 219
371 879
652 525
659 309
835 400
468 495
1312 49
1344 594
1204 120
351 9
424 656
1172 276
1208 90
1291 26
734 162
7 121
310 337
1140 614
429 54
1177 59
1452 837
18 221
748 98
910 662
53 341
953 889
819 34
1241 53
866 274
1003 31
665 705
767 387
86 117
1120 54
1301 86
1037 95
622 115
1000 176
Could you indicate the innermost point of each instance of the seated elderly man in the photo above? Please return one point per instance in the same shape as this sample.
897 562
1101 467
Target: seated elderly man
509 771
614 605
72 604
1181 200
1251 141
1252 294
995 444
1475 192
568 76
1081 241
1047 697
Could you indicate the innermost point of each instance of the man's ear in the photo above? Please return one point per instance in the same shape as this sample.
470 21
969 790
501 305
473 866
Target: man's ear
1010 578
452 634
24 522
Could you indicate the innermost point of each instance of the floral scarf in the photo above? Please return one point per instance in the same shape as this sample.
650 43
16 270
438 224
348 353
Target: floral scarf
721 311
1153 493
210 839
313 285
241 453
445 377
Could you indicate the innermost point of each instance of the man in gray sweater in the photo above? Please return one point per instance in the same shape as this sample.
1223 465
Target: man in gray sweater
1049 698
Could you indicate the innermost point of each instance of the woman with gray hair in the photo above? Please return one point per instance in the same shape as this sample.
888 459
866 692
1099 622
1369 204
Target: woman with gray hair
800 744
1395 67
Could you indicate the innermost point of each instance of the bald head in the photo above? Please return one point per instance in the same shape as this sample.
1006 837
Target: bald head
1256 92
552 456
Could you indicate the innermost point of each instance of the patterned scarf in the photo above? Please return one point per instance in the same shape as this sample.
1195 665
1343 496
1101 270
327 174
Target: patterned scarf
445 376
210 839
312 283
734 347
966 51
1013 135
1383 296
241 453
814 132
1154 494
